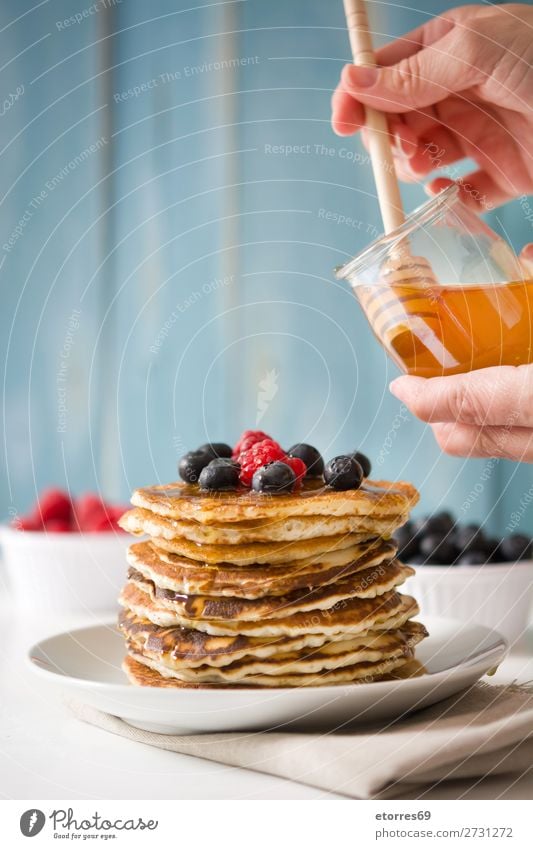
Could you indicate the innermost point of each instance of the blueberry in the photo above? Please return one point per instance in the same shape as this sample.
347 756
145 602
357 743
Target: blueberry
470 537
343 472
407 541
419 527
221 473
216 449
310 456
364 462
274 477
191 464
418 560
492 549
516 547
472 558
438 549
440 523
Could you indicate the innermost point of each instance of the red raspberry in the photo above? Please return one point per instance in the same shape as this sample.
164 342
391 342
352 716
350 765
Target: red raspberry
108 521
248 438
103 523
88 510
115 512
53 504
27 523
298 466
58 526
261 453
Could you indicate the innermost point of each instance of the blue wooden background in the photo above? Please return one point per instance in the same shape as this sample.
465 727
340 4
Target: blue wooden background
166 264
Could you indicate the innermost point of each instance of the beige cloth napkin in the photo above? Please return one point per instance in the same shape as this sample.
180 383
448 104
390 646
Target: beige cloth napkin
484 730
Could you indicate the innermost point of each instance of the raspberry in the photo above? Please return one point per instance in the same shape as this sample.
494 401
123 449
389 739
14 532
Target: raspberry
58 526
260 453
53 504
115 512
27 523
88 510
298 466
103 523
248 438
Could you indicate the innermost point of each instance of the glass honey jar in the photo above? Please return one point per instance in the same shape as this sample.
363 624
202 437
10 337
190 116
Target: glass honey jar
444 293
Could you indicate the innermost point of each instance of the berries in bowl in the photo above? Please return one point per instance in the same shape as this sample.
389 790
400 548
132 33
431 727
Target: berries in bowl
465 573
65 556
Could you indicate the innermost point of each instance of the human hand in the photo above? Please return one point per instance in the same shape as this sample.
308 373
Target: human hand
485 413
460 85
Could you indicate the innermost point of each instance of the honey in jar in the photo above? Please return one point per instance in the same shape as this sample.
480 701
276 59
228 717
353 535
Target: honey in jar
444 293
441 330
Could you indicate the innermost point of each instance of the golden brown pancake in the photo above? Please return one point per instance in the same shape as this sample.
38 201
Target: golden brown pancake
191 577
143 676
358 672
186 501
351 616
141 522
195 648
372 647
188 648
271 553
367 583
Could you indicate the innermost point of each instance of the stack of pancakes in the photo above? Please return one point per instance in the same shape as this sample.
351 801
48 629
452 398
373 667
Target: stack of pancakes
245 589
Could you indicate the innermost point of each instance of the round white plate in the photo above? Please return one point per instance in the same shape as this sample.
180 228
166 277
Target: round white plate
85 664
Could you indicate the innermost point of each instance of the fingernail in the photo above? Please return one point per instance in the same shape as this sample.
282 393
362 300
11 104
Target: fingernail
363 76
394 386
401 387
402 147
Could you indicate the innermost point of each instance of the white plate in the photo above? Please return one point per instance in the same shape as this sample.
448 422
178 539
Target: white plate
85 664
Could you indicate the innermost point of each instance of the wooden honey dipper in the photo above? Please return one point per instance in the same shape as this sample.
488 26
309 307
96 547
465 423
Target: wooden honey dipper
389 316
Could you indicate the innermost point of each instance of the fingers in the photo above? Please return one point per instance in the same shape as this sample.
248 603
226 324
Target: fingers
426 156
419 80
404 140
460 440
436 148
500 397
413 41
348 115
478 190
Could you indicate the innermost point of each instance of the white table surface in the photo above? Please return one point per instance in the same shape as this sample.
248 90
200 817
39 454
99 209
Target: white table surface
47 754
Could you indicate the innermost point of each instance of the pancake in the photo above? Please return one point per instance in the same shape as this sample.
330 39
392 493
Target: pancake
143 676
187 648
351 616
170 571
139 521
362 672
372 647
185 501
270 553
196 648
368 583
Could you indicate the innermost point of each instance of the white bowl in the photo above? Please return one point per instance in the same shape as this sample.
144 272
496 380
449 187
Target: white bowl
497 595
51 573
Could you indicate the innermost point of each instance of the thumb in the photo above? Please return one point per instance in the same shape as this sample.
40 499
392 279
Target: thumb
419 80
497 396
